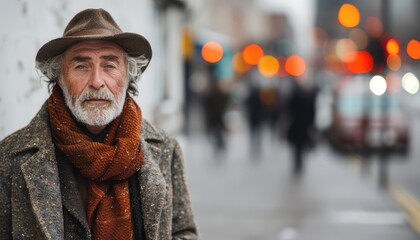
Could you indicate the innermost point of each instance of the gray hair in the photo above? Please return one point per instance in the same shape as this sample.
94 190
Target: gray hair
52 67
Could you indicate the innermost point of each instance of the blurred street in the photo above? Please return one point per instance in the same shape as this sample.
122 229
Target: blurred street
406 174
246 86
241 195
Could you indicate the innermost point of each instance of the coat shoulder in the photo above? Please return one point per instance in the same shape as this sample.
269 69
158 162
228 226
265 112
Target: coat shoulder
8 146
155 133
33 136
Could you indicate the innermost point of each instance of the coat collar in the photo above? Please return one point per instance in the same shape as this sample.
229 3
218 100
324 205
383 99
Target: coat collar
41 175
42 178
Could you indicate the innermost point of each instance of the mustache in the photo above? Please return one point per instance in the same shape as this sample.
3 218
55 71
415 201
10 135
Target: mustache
102 94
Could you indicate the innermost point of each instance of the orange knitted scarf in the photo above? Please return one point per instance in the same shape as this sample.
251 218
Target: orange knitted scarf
106 165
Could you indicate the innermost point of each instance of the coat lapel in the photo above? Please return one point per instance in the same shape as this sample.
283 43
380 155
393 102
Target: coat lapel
152 182
40 173
41 177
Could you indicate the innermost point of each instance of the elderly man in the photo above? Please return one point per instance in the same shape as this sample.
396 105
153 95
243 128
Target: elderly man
88 166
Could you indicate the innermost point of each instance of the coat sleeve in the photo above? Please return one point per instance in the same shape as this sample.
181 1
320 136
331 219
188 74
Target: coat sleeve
183 224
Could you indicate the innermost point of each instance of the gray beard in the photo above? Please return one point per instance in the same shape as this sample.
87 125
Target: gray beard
94 114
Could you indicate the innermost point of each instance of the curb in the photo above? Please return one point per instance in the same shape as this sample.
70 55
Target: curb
410 204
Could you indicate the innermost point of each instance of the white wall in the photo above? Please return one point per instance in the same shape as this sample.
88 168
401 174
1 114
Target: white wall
26 25
169 114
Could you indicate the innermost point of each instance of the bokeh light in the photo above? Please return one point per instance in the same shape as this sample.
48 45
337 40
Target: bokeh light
348 15
212 52
252 54
392 46
268 66
413 49
378 85
238 63
295 65
410 83
359 62
343 48
394 62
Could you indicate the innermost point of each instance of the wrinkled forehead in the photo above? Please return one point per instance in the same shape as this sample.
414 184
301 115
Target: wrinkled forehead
95 47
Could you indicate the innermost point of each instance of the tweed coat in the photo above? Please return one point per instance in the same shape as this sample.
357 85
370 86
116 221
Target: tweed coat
39 197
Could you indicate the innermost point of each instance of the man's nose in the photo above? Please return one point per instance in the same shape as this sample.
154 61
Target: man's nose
96 79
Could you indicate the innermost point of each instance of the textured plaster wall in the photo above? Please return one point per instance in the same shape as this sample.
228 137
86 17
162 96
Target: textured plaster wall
27 25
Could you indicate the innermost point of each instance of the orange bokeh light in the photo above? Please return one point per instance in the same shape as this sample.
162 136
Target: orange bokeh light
268 66
394 62
238 64
252 54
295 66
348 15
212 52
413 49
392 46
362 62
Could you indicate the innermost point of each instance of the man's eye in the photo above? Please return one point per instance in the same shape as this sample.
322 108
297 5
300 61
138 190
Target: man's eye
81 67
110 66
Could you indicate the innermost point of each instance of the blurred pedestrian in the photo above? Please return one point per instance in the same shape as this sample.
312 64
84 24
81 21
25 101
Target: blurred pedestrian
255 113
302 114
216 103
89 166
262 107
269 98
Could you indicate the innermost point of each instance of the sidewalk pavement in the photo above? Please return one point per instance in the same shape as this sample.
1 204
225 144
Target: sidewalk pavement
239 195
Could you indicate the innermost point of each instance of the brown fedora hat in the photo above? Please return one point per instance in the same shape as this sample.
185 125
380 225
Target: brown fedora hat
95 24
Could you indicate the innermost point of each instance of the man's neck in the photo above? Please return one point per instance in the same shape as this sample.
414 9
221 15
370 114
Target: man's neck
95 129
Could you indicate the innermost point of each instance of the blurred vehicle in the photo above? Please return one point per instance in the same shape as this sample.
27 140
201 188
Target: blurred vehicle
365 123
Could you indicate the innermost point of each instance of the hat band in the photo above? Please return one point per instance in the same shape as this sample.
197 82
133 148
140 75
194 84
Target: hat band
92 32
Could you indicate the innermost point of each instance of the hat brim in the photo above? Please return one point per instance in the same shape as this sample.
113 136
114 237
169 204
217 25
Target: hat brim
134 45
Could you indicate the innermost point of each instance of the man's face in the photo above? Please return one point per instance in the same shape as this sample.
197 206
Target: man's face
94 81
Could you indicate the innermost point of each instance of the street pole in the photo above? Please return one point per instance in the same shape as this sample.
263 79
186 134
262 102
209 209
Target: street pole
384 150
